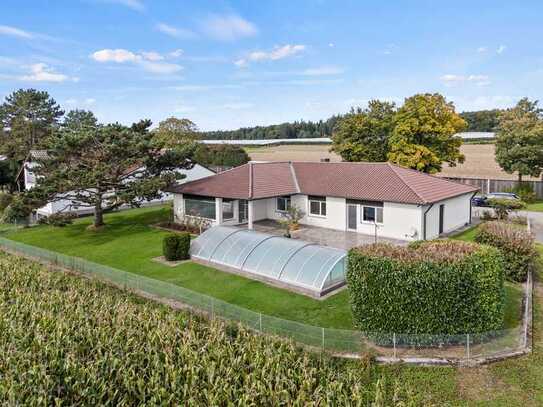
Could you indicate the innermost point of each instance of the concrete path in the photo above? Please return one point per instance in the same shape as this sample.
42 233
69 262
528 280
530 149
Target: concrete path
536 219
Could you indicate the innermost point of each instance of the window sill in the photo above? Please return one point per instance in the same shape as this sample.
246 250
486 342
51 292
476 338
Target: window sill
312 215
366 222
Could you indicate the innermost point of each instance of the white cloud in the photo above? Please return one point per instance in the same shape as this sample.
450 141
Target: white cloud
482 49
42 73
152 56
331 45
228 27
176 54
323 71
479 80
278 52
164 68
114 55
15 32
149 61
133 4
82 103
175 31
90 101
501 49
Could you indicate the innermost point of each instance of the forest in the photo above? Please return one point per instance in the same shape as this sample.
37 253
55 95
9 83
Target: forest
481 120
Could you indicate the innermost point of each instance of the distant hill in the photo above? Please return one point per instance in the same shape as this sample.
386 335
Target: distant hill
478 121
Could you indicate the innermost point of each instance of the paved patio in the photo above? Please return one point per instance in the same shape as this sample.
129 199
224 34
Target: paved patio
326 237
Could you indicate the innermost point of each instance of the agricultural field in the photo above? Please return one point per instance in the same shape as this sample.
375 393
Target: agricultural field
479 162
68 340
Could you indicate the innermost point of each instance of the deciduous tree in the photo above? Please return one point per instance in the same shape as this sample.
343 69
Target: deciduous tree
362 135
173 131
424 134
519 142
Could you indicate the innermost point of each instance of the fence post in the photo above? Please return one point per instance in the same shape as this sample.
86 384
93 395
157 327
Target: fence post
323 338
260 322
488 186
394 342
467 346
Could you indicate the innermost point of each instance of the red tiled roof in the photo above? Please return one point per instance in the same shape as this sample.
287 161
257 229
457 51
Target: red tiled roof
367 181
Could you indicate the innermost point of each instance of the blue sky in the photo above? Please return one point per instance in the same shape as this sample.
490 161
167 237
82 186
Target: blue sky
227 64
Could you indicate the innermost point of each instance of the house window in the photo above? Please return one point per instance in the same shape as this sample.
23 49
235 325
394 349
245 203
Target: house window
283 203
372 214
227 209
199 206
317 205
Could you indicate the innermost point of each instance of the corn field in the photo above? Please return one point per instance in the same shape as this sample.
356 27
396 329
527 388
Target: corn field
66 340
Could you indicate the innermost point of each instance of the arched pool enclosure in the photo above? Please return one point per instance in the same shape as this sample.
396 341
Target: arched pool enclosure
305 267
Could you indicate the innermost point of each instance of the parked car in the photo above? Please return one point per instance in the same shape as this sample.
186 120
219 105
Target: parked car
483 200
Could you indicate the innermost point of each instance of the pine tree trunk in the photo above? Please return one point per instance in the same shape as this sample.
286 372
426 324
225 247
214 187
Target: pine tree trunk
519 178
98 214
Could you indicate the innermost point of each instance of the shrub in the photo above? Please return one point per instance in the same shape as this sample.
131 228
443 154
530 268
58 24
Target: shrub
516 244
504 206
176 247
525 191
183 246
5 200
437 287
60 219
169 247
18 209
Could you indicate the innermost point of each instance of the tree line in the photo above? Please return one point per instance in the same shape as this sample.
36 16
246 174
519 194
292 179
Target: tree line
481 120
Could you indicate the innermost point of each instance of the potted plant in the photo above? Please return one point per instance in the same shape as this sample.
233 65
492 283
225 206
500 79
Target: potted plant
291 219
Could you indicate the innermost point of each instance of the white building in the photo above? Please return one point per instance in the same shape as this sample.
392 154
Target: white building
66 205
402 203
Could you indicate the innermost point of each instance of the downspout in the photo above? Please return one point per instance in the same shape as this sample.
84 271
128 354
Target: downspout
470 205
424 221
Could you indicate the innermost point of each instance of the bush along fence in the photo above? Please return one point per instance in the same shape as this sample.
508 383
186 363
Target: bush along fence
466 349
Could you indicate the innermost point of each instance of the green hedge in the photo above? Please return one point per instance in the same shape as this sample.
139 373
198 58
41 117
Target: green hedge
516 244
176 247
440 287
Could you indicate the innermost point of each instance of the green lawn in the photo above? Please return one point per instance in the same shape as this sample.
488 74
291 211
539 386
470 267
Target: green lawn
128 243
535 207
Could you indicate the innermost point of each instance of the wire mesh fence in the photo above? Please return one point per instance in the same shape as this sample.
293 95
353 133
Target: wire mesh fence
444 348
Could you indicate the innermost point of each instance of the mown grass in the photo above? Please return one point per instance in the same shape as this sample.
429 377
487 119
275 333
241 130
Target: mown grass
535 207
130 244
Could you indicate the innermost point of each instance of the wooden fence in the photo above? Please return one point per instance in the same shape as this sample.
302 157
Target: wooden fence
487 185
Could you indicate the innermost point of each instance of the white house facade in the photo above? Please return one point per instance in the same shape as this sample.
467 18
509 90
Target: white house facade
367 198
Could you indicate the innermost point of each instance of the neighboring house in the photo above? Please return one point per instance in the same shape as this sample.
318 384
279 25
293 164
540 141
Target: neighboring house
28 180
367 198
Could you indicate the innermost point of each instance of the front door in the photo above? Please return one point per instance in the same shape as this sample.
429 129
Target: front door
351 217
441 217
243 209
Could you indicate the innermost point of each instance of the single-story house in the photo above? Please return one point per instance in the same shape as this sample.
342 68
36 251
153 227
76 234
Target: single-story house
27 180
367 198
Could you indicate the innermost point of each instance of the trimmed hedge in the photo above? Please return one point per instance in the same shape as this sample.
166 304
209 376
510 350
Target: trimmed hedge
439 287
176 247
516 245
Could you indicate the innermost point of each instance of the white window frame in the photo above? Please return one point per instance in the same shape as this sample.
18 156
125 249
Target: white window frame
321 202
288 203
375 208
